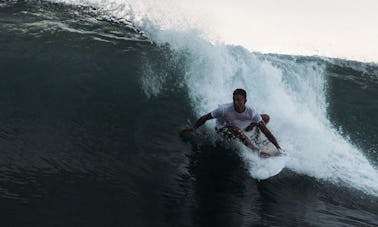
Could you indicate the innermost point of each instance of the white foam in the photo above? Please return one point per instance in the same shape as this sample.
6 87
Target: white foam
292 93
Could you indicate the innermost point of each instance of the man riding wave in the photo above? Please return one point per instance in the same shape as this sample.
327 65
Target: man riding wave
236 118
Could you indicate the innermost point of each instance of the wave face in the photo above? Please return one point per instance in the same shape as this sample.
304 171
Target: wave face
94 93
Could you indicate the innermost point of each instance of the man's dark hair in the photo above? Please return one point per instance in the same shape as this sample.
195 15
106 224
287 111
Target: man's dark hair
241 92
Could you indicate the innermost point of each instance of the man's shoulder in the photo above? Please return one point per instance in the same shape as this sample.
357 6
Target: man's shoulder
228 107
222 109
251 109
225 105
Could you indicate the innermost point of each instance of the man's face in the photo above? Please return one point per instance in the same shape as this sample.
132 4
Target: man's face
239 103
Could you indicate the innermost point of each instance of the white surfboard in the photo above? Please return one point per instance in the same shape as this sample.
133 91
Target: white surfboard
268 150
267 167
262 167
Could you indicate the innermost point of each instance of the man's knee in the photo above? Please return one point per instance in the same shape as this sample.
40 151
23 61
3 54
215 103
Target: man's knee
265 118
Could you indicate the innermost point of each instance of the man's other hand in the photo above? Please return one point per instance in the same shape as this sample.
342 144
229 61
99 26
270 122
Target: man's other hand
189 129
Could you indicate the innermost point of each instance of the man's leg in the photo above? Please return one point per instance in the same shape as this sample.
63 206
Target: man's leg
265 118
236 132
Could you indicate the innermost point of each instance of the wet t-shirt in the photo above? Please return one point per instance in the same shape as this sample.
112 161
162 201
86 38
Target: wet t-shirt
227 116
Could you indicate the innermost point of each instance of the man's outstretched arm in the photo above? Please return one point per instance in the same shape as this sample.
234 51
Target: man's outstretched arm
199 123
268 134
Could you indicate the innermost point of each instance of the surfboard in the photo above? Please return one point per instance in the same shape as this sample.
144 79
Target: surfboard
261 166
266 167
268 150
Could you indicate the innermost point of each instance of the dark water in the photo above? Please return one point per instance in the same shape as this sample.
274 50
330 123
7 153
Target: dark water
82 144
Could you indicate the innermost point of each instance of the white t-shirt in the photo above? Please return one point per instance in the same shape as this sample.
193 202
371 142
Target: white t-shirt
227 116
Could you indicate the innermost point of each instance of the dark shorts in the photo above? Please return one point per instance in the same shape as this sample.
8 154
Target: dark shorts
225 132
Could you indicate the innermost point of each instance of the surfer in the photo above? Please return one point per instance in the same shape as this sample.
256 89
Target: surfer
233 119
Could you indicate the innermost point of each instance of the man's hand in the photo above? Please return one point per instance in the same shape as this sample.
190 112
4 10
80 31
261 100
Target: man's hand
250 126
189 129
199 122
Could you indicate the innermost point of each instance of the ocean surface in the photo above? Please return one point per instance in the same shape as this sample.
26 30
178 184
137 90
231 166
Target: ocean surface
93 97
